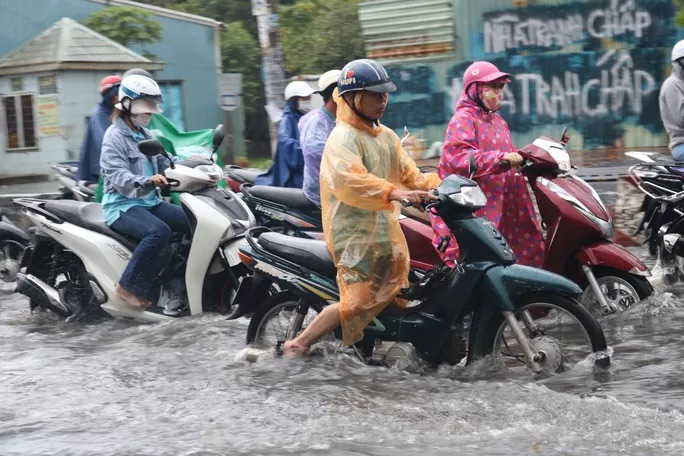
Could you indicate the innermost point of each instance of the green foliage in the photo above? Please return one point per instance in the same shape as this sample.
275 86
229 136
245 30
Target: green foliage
221 10
241 54
679 18
125 25
319 35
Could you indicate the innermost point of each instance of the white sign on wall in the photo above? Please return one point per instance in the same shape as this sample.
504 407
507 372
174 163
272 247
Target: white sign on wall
230 89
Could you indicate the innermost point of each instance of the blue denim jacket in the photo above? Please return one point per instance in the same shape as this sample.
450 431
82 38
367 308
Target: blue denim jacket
123 165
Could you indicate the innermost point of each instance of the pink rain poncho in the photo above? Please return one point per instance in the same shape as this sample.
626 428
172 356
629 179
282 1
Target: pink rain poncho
509 204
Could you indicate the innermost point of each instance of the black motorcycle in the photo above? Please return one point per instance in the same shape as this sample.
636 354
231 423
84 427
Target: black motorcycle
661 179
657 176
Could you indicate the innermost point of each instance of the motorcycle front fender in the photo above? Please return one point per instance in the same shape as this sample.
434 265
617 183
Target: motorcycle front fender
504 284
609 254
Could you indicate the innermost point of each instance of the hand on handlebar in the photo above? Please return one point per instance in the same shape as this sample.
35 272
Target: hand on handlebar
158 180
513 159
415 198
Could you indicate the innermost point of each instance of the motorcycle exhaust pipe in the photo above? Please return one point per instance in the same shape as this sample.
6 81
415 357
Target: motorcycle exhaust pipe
34 288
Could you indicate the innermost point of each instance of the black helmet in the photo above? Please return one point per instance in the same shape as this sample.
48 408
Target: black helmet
365 74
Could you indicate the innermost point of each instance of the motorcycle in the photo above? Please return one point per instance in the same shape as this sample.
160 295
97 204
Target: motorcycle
71 187
578 231
658 177
661 179
577 243
514 313
13 243
237 175
78 259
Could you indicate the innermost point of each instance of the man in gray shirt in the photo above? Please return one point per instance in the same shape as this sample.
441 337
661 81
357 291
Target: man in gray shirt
672 103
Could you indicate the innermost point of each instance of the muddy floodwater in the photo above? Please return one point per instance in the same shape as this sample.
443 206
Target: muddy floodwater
182 388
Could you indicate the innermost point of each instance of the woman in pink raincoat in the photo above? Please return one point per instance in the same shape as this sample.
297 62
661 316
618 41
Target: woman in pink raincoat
477 128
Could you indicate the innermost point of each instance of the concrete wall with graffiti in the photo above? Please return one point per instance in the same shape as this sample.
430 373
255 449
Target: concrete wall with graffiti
595 67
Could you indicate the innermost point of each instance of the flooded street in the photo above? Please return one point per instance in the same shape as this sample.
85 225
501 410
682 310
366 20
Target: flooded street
179 388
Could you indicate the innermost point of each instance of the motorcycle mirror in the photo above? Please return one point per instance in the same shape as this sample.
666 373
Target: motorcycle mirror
151 147
219 135
564 136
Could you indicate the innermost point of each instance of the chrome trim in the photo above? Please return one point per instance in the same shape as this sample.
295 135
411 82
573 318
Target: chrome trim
669 241
606 308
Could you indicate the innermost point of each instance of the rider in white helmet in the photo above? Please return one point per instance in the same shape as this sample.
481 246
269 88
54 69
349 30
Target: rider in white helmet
672 102
314 129
131 204
288 164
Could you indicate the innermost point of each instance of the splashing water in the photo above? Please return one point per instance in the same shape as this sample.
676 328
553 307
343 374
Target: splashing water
183 387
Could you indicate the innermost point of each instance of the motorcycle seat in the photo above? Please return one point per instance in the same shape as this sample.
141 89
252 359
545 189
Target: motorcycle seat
244 176
310 253
291 197
88 216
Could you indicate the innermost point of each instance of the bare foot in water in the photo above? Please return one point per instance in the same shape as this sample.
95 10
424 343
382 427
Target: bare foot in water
131 299
292 349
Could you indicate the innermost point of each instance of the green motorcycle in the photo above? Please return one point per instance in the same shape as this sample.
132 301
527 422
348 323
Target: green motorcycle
486 306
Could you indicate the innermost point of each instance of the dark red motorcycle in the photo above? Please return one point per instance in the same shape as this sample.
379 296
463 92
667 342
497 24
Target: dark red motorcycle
578 231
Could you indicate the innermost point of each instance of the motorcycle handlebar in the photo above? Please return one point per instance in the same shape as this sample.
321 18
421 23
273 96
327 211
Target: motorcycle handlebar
407 202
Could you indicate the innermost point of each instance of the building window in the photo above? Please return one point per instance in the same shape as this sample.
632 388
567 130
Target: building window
47 84
172 93
21 125
17 84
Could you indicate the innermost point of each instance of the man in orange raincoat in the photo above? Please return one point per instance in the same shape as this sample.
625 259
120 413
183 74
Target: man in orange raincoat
364 174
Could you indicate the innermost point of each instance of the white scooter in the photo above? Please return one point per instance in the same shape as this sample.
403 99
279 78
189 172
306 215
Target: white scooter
78 259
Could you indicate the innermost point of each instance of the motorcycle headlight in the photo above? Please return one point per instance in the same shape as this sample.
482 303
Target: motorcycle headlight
470 197
214 172
605 226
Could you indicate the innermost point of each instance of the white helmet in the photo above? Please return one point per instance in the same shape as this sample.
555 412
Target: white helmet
138 95
298 89
678 51
327 79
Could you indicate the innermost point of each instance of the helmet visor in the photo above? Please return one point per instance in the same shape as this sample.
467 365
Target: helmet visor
144 106
381 87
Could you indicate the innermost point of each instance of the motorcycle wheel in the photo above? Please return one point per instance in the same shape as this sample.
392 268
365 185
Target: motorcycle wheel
11 253
623 291
69 277
275 321
557 325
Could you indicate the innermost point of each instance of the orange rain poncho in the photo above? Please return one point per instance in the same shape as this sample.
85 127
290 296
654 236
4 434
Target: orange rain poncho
361 165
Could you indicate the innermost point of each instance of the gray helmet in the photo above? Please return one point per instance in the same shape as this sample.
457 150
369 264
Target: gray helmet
138 71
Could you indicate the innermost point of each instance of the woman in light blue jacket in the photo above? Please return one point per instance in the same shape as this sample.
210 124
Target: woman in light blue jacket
131 203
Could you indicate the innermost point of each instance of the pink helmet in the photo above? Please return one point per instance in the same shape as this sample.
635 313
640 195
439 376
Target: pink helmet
482 72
